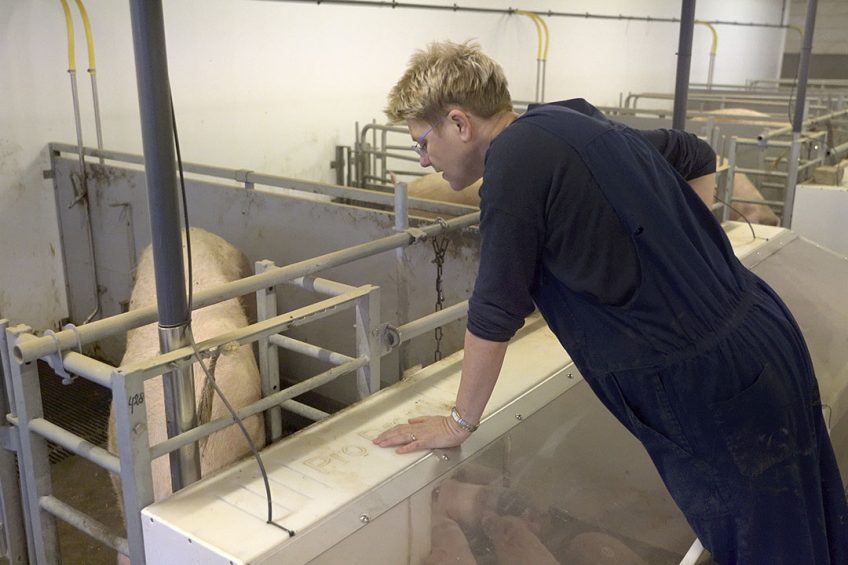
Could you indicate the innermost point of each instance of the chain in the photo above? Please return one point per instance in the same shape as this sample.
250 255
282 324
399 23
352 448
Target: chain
440 248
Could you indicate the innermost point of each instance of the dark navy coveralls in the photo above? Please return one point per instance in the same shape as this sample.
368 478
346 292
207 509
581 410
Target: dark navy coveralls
702 362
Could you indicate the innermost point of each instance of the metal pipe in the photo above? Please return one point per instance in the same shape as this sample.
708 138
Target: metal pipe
96 112
88 368
148 368
775 203
791 179
401 210
275 399
811 121
159 159
84 523
837 150
154 101
804 68
282 182
727 192
36 347
508 11
74 443
304 410
309 350
322 286
684 60
180 408
430 322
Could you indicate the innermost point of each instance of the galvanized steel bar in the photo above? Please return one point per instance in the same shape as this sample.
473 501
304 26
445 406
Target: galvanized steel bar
322 286
277 398
41 346
368 344
12 512
304 410
791 180
88 368
75 443
309 350
33 461
84 523
152 367
133 449
432 321
269 361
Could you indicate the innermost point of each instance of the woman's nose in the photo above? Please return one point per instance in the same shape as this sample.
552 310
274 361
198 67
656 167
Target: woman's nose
424 160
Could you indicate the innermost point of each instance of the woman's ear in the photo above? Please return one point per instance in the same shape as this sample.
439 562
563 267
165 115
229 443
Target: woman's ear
462 121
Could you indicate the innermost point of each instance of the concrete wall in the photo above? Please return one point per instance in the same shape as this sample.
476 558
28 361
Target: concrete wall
274 86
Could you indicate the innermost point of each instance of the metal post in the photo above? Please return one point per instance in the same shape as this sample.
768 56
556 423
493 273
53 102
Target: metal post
269 363
727 193
160 169
798 118
684 59
368 342
33 462
14 541
791 181
133 448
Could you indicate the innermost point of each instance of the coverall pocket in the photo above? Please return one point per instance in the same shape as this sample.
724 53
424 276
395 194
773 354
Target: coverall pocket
764 424
690 478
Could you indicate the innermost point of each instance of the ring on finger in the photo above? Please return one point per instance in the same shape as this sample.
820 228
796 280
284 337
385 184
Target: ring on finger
411 438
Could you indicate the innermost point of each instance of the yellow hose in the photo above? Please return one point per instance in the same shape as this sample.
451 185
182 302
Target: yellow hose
89 37
714 48
72 66
536 20
547 36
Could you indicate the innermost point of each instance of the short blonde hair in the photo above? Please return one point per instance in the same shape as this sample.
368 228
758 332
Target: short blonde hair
449 74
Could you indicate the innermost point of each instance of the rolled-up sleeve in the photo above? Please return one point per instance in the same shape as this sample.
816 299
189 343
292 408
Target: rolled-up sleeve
509 254
691 157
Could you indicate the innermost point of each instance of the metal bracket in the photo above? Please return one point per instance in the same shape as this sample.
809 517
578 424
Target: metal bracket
390 337
416 234
57 363
8 438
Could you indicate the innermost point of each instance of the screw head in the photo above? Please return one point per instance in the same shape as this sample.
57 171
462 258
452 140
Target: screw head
364 518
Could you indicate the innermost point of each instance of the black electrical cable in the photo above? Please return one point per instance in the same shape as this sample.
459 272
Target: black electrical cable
744 217
190 335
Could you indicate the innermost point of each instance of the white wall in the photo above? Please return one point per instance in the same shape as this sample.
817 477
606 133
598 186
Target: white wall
274 86
830 36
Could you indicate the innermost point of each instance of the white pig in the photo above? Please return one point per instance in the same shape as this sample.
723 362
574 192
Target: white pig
214 262
434 187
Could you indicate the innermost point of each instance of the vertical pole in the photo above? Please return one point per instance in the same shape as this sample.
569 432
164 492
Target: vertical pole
33 462
160 169
368 342
798 118
727 193
269 363
14 540
134 452
684 59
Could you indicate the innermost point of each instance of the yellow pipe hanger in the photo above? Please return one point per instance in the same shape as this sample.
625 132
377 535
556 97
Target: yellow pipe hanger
89 37
536 22
72 66
714 48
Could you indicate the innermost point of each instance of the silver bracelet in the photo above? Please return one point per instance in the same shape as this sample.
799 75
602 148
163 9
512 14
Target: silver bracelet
468 427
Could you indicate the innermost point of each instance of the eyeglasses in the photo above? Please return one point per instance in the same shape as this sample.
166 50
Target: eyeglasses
422 149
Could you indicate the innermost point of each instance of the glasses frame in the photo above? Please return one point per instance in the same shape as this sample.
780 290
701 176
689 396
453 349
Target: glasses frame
422 149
